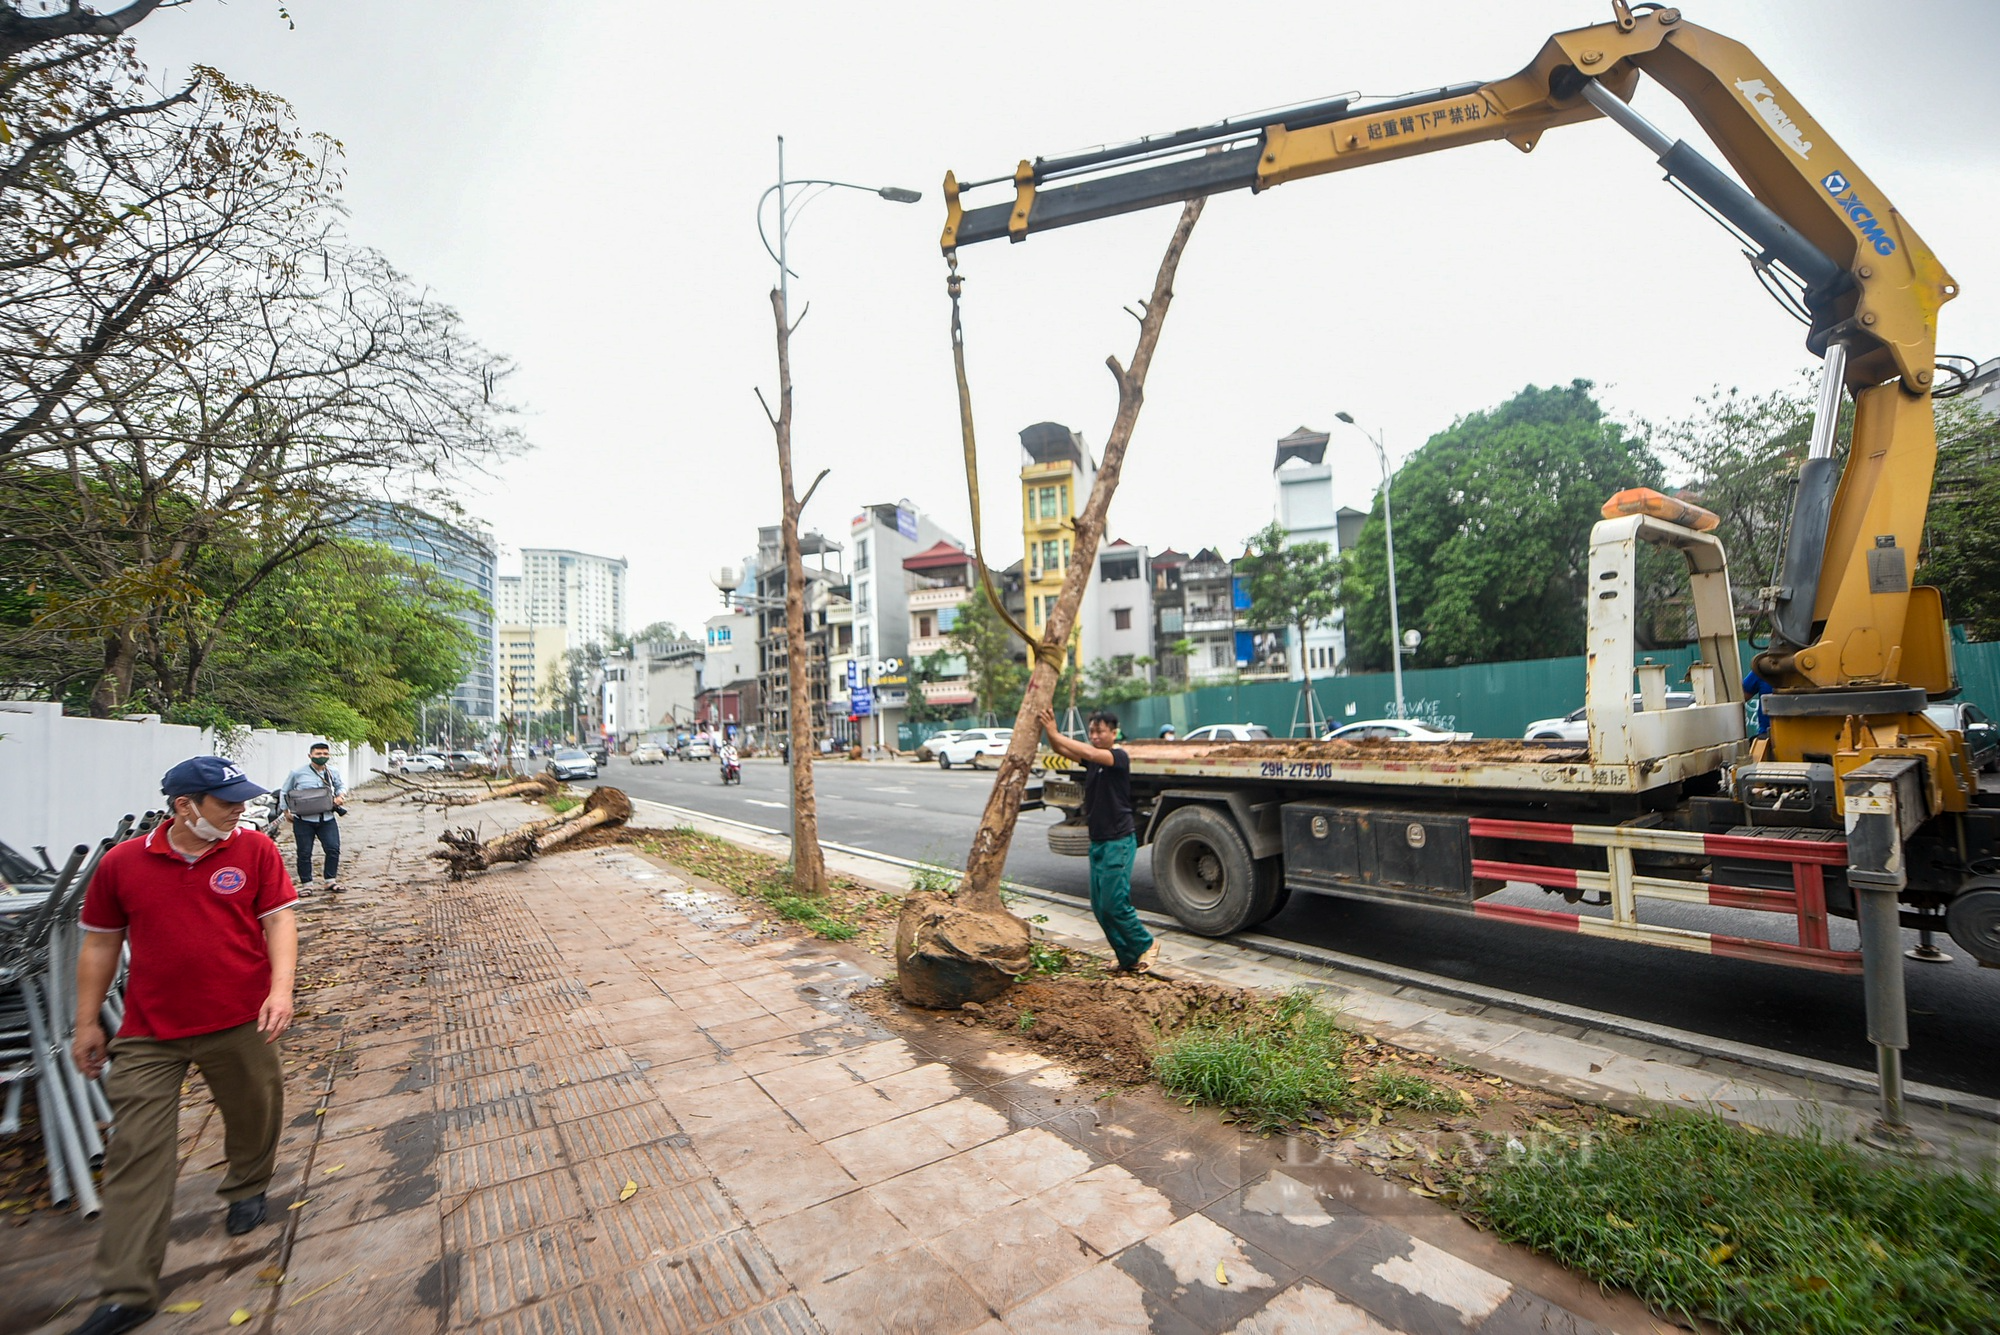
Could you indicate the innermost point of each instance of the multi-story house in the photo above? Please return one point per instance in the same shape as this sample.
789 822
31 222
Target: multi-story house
1169 617
1125 607
880 538
774 687
937 583
1307 513
1057 471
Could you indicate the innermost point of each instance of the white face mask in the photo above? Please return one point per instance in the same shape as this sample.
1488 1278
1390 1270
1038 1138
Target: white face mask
204 830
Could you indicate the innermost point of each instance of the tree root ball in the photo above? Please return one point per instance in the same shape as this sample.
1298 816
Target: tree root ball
948 954
610 800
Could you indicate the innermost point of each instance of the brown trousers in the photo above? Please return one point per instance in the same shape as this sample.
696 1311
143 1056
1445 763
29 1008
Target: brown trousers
142 1162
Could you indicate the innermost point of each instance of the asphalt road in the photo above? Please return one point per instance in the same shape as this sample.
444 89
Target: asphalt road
919 811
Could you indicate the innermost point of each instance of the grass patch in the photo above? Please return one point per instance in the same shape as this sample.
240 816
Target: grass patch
1400 1089
563 805
1759 1233
1272 1068
934 878
834 916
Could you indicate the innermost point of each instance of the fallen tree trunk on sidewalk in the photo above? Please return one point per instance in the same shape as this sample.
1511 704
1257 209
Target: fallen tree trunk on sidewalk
461 794
968 947
463 852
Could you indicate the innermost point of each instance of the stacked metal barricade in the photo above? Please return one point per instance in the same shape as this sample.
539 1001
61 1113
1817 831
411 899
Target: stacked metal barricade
39 940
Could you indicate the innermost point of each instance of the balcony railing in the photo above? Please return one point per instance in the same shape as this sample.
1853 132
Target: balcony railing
1208 618
927 645
924 600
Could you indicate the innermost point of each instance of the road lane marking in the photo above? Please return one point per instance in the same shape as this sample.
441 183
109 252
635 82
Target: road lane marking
874 789
760 802
914 806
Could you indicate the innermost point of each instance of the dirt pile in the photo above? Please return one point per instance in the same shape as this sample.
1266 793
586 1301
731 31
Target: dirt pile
1107 1026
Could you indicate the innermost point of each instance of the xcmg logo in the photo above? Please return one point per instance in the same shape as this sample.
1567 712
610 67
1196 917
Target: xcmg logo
1849 201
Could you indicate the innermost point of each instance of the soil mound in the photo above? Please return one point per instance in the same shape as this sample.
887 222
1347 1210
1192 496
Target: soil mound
1108 1027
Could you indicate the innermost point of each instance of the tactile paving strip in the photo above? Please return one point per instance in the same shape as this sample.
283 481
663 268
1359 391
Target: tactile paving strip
475 1166
522 1205
521 1269
710 1284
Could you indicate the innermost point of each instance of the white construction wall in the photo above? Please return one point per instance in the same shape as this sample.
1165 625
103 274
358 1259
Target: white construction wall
67 781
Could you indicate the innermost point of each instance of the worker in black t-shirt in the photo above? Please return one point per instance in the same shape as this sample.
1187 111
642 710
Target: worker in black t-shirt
1107 808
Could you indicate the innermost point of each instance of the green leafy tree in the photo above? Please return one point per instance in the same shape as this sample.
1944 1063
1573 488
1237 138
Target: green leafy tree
929 668
1961 553
1295 584
1493 520
350 641
1112 681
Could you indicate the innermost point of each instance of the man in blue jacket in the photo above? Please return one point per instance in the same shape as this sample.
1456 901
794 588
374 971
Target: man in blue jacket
314 796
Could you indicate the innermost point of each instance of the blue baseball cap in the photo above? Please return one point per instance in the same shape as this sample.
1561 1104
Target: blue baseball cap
210 776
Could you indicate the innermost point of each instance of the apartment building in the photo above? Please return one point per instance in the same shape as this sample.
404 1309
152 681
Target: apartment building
582 593
1057 470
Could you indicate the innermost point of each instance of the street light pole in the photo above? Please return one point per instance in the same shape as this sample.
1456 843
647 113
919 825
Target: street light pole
808 870
1389 534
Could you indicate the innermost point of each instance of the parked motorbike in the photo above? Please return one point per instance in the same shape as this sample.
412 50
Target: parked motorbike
732 771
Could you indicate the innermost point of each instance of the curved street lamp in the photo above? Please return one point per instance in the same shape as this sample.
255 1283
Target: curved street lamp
1389 533
789 210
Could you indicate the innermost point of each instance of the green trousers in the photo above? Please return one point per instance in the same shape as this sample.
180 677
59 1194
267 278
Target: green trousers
141 1163
1111 899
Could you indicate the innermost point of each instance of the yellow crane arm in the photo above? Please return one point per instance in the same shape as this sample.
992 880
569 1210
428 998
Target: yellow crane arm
1855 646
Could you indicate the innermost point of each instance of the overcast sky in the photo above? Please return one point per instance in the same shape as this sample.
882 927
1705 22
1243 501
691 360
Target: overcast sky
579 179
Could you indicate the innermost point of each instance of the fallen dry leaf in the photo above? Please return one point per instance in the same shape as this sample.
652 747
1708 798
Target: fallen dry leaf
298 1204
181 1309
239 1316
1221 1275
631 1190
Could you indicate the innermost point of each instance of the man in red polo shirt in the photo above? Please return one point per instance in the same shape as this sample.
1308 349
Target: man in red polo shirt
207 910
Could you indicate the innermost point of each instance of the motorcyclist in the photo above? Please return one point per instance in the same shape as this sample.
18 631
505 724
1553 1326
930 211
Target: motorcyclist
727 756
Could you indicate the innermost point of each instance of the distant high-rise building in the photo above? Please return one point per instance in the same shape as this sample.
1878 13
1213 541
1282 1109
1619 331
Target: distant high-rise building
583 594
510 600
466 556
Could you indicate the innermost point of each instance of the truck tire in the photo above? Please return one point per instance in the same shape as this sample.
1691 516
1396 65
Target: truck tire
1204 874
1070 841
1271 883
1973 919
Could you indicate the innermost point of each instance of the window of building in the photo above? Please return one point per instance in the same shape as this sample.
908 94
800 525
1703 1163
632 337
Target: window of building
861 554
860 599
1053 552
864 641
924 624
1120 568
1065 551
1221 655
1121 618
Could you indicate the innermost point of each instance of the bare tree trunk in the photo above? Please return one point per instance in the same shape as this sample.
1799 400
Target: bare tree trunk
983 865
808 864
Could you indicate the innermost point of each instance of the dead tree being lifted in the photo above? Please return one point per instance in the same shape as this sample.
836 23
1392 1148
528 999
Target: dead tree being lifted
463 853
968 947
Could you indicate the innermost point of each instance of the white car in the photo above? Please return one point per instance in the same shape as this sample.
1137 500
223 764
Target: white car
1229 732
697 750
1571 727
646 753
927 749
970 745
423 763
1393 730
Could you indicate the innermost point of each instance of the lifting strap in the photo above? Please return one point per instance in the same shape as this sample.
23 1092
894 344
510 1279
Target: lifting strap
954 284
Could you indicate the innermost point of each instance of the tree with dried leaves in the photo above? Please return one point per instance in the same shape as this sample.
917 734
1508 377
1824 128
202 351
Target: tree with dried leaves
219 365
969 947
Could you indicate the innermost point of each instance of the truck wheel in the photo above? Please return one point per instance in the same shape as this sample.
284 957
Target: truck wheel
1204 873
1271 883
1070 841
1973 919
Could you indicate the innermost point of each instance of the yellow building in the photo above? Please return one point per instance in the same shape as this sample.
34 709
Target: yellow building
1056 474
530 660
